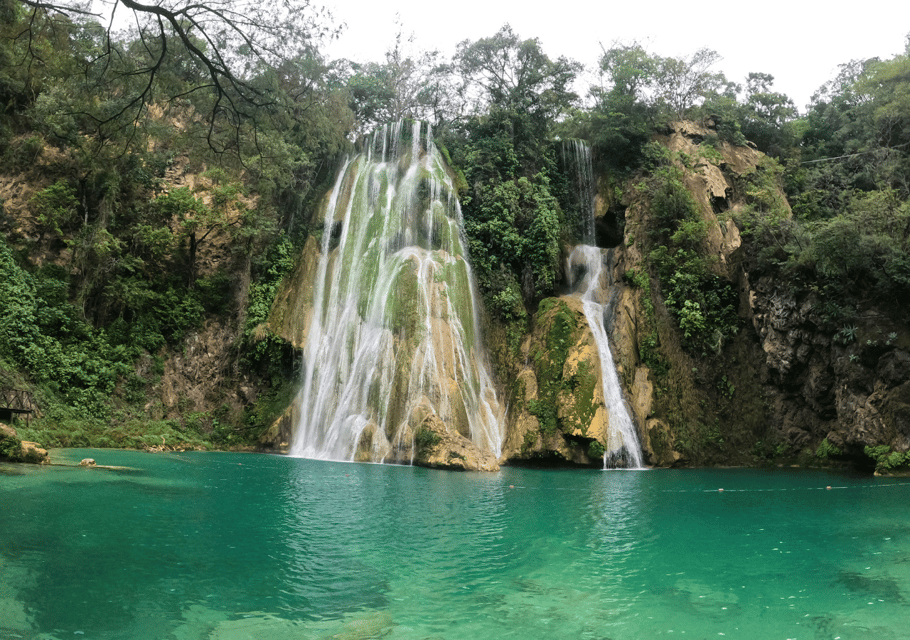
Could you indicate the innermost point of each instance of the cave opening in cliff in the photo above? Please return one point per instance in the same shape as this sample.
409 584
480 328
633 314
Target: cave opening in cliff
610 228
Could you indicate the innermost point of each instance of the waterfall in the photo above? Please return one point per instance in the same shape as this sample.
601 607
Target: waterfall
586 271
394 334
594 284
576 162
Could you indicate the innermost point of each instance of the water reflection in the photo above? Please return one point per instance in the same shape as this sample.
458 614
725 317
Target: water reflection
322 528
253 546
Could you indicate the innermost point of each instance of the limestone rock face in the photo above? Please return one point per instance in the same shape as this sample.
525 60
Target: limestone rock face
711 174
292 309
442 448
278 436
200 375
32 452
855 394
560 410
6 431
710 182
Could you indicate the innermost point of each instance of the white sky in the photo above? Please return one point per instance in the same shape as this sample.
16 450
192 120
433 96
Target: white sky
799 42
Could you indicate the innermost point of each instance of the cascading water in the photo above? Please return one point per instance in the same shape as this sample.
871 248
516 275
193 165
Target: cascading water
576 162
586 274
586 263
394 334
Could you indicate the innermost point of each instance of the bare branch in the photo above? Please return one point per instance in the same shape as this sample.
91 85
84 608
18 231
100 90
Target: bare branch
232 42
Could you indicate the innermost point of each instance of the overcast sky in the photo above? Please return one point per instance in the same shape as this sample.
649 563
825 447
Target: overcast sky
800 43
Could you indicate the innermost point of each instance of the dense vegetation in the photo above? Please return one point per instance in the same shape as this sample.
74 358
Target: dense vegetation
101 281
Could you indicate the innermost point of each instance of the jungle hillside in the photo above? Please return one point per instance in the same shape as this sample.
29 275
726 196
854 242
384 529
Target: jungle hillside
158 184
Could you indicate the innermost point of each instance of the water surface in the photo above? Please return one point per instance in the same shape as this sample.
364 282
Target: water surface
229 546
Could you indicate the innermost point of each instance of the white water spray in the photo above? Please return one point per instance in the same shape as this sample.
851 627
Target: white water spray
622 447
576 160
394 335
594 284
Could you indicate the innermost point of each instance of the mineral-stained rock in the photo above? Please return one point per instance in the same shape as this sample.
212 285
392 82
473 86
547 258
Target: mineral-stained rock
32 452
7 431
443 448
27 452
560 408
277 437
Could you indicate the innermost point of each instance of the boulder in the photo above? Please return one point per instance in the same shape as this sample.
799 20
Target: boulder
439 447
20 450
33 453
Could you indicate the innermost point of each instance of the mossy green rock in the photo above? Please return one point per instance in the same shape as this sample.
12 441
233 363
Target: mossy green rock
560 409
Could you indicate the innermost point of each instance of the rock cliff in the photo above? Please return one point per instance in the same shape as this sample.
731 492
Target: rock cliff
781 388
800 392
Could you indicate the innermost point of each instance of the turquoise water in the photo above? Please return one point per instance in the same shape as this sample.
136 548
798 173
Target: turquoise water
229 546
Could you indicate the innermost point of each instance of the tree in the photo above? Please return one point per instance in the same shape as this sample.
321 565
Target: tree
408 85
223 49
629 70
766 113
622 117
195 220
680 83
516 75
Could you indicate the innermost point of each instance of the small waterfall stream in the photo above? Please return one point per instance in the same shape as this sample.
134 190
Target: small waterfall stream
576 162
395 334
594 284
622 448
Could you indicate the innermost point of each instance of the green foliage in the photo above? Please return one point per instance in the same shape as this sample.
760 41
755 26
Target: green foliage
846 335
549 363
515 223
703 304
886 459
426 439
263 351
516 75
648 339
528 442
595 450
621 122
860 252
545 412
10 448
825 450
56 207
512 220
667 86
726 387
46 338
132 433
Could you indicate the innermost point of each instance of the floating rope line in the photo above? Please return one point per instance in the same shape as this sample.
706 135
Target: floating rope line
721 490
826 488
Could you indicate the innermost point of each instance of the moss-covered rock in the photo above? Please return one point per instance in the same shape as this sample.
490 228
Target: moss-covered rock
558 406
13 449
439 447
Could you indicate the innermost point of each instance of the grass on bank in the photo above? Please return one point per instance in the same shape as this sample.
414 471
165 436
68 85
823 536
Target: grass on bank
98 434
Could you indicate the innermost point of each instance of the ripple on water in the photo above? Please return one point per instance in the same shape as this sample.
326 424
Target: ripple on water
212 546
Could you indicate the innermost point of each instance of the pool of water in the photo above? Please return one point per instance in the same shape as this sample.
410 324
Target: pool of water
230 546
